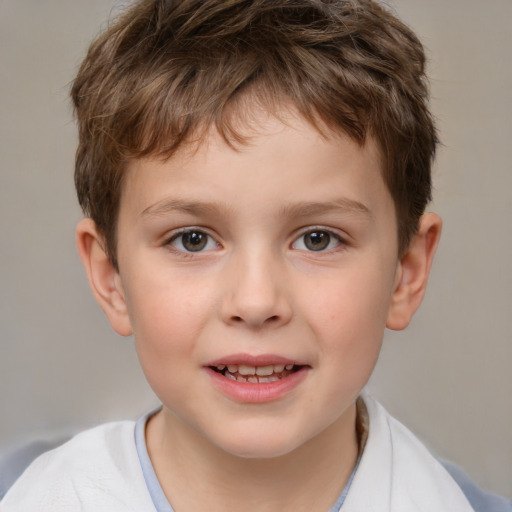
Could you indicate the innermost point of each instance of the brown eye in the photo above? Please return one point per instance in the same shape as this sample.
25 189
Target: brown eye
193 241
317 240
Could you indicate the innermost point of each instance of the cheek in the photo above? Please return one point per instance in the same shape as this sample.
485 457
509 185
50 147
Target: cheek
167 303
167 321
362 294
348 311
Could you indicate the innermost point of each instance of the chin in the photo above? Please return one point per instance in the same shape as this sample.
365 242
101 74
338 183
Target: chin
259 452
257 445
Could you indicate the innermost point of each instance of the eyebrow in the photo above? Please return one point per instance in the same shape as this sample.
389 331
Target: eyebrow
168 206
343 204
303 209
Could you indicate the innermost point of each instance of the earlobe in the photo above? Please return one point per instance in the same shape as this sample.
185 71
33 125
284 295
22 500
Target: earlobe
103 278
413 271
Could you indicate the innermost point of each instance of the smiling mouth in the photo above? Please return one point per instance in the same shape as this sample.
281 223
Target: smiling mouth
256 374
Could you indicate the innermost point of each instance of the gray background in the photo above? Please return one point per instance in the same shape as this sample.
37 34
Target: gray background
447 377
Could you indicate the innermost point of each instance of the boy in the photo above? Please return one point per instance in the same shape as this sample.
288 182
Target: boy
254 176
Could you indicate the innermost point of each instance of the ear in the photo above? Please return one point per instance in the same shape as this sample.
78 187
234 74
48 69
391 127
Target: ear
103 278
413 271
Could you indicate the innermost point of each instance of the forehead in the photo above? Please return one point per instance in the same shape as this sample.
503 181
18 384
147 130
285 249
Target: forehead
281 160
256 111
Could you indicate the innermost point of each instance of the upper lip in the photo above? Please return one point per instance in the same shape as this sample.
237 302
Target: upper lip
254 360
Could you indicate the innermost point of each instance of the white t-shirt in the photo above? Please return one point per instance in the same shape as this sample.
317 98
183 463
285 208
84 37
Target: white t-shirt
107 469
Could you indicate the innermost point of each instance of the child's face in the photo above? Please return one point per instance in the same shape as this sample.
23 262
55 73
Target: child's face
281 253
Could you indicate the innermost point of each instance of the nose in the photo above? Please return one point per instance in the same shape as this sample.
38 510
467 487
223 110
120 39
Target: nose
256 293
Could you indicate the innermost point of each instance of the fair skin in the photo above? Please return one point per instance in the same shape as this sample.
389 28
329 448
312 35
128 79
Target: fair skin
280 254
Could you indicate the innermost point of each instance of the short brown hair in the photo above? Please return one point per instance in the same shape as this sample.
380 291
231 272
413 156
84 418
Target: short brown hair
165 69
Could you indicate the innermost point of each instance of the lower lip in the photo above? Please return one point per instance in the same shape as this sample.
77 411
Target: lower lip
248 392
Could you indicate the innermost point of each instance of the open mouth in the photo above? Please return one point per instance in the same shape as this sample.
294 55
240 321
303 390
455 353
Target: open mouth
256 374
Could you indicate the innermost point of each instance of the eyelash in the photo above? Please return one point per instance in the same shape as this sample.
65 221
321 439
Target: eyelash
183 251
190 231
332 236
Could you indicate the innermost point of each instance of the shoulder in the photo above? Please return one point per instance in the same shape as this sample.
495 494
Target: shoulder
90 451
480 500
410 476
96 470
417 469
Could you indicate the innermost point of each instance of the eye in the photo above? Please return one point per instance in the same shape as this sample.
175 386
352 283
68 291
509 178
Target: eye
317 240
193 240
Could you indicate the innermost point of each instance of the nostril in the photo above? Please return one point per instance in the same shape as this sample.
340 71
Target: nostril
271 319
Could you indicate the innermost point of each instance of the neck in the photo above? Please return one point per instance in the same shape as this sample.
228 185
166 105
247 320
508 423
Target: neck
196 475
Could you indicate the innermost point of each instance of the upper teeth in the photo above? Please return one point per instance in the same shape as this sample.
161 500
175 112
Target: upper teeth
243 369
